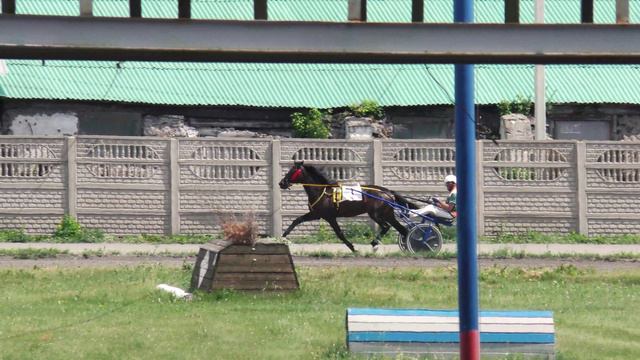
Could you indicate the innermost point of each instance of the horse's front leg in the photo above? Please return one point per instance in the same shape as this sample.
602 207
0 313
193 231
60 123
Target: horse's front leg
306 217
336 228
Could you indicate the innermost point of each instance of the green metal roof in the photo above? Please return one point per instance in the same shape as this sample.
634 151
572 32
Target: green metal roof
312 85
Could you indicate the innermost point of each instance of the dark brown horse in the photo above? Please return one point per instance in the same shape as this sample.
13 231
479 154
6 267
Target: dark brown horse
322 206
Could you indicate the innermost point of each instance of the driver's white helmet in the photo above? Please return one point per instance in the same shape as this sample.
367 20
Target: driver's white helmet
450 178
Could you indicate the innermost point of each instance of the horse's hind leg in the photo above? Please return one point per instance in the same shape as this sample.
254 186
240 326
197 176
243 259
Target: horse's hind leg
384 228
336 228
306 217
396 225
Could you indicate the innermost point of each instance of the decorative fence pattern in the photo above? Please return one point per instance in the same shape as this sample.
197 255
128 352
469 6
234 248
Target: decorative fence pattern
133 185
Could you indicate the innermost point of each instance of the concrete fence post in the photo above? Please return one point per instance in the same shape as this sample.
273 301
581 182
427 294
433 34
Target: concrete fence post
376 163
276 195
480 185
71 150
581 187
174 180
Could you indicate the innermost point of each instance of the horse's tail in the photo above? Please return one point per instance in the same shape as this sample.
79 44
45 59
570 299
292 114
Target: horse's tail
403 201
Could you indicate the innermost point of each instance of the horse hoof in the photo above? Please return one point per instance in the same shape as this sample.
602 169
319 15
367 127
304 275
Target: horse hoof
375 247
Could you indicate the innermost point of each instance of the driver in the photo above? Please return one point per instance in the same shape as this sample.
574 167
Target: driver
444 210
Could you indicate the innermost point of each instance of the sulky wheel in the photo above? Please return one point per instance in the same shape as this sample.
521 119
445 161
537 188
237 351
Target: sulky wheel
424 238
402 243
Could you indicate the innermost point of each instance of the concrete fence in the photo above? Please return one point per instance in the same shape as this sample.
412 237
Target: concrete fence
133 185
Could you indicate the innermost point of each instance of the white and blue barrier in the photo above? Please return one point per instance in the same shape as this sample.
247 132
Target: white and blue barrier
421 331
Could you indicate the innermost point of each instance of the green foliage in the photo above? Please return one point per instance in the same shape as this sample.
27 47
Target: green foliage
534 237
517 173
310 125
368 108
17 236
69 227
162 239
520 105
70 230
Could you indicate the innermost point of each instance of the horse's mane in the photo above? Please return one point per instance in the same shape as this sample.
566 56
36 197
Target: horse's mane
318 175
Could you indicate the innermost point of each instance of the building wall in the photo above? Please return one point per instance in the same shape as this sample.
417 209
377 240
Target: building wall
135 185
621 121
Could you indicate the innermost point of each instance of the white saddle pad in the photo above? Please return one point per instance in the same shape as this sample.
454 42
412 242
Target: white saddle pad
351 193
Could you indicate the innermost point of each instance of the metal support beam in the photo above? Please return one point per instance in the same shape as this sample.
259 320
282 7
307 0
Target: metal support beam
135 8
86 7
586 11
121 39
466 170
184 9
622 11
9 7
512 11
357 10
260 9
417 11
540 93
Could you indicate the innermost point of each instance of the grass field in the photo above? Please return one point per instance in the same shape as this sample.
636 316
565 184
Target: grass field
117 314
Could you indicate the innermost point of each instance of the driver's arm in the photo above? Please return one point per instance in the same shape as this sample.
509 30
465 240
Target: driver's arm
445 206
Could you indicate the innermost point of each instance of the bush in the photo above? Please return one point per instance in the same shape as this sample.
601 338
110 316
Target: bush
521 105
310 125
18 236
368 108
70 230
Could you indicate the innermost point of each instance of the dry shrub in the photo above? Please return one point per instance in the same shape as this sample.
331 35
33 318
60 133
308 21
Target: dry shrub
240 232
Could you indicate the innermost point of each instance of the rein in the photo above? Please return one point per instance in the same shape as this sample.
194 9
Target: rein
336 185
324 191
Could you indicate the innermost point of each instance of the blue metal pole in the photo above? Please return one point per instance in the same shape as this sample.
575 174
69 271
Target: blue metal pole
466 170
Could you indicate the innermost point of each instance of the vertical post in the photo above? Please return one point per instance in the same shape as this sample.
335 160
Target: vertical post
417 11
357 10
276 200
86 7
512 11
622 11
581 191
586 11
184 9
376 166
540 99
9 7
376 171
135 8
174 156
465 167
71 147
260 10
480 185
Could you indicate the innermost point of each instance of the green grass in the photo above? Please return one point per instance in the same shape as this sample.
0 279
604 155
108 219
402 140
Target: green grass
32 253
97 236
117 314
532 237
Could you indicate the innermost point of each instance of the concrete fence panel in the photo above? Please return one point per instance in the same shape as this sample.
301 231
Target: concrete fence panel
529 186
122 184
613 188
32 183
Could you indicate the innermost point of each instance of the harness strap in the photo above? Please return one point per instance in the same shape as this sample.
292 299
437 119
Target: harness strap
324 192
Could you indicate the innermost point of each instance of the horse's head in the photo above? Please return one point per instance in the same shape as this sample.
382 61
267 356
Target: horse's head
295 175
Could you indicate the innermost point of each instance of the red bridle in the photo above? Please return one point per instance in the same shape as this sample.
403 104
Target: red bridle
296 174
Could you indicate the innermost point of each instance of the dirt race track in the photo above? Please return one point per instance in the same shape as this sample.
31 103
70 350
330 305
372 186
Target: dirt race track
303 261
